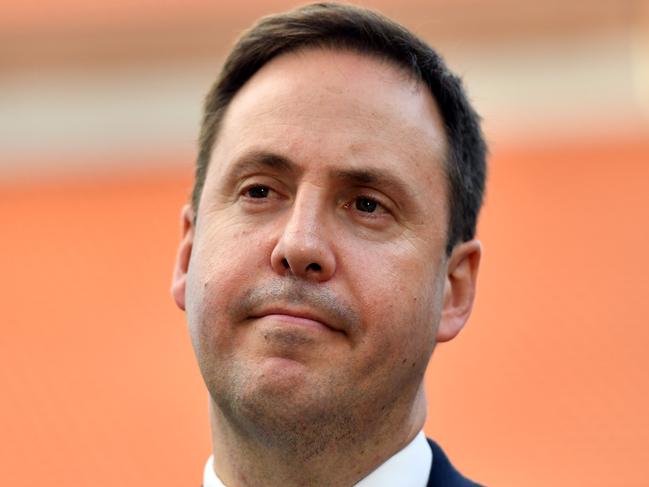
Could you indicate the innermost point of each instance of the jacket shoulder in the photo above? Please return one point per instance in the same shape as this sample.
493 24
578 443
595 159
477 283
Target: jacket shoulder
443 473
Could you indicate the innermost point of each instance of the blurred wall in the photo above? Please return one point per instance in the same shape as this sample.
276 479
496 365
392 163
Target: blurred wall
101 105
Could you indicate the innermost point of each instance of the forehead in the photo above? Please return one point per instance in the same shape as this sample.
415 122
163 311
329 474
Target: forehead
336 108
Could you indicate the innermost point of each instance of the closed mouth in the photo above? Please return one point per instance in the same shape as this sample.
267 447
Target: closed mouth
297 317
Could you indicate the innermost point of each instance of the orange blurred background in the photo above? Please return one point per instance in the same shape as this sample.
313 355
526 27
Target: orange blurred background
101 104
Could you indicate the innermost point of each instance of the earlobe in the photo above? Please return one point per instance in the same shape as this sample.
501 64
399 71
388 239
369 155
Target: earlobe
179 279
459 289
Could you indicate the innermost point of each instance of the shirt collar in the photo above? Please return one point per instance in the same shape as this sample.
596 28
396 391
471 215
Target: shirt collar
209 476
415 458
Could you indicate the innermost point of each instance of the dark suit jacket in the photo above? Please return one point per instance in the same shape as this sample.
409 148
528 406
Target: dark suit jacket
442 473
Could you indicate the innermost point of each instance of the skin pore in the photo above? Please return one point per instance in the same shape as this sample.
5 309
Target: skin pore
315 279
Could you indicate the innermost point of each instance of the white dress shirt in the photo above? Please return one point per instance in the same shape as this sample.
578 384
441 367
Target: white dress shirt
409 467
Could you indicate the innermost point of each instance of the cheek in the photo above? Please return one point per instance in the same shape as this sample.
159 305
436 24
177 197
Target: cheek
223 262
226 252
393 281
399 295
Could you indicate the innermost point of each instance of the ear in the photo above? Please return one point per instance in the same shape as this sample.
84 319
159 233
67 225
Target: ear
459 289
179 280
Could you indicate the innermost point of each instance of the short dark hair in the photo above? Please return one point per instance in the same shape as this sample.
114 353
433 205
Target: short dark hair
330 25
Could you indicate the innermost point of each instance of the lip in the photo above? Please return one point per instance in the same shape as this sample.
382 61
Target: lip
295 317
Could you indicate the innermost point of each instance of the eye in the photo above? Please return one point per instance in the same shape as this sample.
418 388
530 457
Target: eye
368 207
365 204
257 191
257 196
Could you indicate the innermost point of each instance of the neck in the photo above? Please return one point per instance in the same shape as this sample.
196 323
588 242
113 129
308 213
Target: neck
311 454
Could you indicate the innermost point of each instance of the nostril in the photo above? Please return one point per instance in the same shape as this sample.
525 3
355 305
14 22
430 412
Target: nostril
314 267
285 264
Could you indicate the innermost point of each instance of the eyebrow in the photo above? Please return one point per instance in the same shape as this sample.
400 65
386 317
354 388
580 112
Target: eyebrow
260 161
374 177
263 160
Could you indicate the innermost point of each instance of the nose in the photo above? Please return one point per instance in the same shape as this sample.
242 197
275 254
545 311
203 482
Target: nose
303 248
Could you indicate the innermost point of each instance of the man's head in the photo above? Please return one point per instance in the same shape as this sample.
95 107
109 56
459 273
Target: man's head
317 268
346 27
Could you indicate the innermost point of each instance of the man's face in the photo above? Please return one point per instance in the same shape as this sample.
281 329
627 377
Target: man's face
317 276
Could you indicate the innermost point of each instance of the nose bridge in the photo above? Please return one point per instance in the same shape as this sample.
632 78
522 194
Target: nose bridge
306 219
304 247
